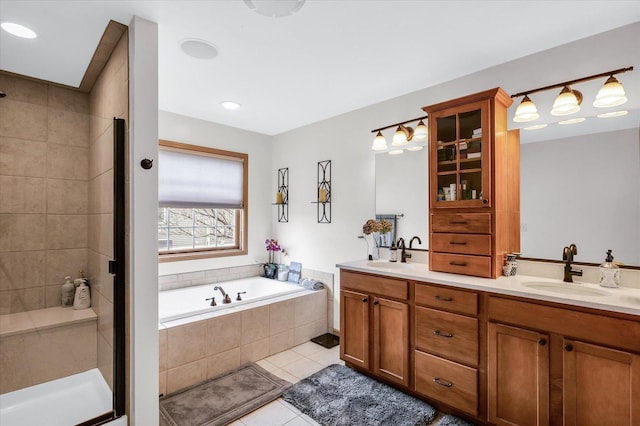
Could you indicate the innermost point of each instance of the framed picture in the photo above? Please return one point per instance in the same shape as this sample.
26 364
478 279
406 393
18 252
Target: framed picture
295 270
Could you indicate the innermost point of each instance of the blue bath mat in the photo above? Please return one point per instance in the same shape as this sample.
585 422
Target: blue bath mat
339 396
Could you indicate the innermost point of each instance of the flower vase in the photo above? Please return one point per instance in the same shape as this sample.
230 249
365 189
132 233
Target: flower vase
270 270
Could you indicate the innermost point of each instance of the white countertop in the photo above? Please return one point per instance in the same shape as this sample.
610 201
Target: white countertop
623 299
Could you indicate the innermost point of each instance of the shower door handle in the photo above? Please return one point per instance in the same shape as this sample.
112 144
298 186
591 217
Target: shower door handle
112 267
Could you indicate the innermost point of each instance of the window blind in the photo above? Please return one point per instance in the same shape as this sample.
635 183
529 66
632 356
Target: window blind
199 181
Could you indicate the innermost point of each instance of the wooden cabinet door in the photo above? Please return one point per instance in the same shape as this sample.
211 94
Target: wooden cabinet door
601 385
391 340
518 371
354 328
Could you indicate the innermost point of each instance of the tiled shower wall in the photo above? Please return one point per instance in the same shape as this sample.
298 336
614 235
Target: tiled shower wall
109 98
44 151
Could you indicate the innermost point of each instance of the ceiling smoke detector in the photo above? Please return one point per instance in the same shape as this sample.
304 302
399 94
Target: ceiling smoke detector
197 48
275 8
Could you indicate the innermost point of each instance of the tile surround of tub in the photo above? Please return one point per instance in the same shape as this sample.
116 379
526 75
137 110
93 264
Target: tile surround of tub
223 343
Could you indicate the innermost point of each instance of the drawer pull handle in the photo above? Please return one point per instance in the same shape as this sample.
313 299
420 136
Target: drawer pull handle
458 243
375 302
458 222
568 347
443 299
365 300
458 263
542 342
437 381
439 333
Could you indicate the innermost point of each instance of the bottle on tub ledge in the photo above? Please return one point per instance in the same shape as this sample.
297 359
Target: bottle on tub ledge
82 299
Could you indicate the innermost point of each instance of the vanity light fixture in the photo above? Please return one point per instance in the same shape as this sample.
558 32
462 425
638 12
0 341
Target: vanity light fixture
421 132
379 142
526 111
569 100
610 94
613 114
415 148
403 134
396 152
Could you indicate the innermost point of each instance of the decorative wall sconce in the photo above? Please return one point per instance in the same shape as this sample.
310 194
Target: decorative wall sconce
324 192
569 100
282 196
402 136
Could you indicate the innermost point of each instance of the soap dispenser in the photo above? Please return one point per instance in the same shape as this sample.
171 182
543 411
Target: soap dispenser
82 298
67 293
393 252
609 272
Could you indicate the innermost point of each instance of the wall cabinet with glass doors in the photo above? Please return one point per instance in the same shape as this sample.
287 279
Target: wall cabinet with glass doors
474 188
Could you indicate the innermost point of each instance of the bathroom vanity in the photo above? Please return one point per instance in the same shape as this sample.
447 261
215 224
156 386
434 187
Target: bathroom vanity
509 351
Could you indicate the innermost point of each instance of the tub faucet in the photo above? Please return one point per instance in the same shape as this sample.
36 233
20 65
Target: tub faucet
567 256
403 254
226 298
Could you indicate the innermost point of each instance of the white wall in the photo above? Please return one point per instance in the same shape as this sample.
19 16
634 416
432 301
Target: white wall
179 128
142 283
598 173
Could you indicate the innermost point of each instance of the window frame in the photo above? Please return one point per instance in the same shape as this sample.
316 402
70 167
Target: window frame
242 216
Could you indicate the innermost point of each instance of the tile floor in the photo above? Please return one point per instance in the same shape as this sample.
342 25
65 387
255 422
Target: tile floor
293 365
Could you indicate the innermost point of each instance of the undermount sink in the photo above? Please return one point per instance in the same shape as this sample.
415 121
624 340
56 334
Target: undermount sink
566 288
385 264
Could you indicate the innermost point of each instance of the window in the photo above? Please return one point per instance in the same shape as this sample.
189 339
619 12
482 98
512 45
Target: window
202 202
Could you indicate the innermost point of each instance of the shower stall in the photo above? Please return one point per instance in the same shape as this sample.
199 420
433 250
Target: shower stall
62 213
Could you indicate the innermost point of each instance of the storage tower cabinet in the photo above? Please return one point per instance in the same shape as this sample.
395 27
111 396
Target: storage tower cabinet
474 185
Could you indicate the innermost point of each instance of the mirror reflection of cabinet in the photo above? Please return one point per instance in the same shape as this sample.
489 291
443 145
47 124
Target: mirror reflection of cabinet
474 192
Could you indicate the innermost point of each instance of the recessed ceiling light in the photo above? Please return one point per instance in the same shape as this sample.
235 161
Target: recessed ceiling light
536 127
396 152
613 114
197 48
18 30
230 105
275 8
415 148
572 121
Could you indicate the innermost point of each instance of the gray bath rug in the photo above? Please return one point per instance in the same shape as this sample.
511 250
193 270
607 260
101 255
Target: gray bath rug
339 396
451 420
221 400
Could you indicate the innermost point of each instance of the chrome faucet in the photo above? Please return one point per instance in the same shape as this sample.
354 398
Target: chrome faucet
403 254
567 256
414 238
226 298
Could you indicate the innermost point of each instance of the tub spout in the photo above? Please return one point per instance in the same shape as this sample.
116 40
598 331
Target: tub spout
226 298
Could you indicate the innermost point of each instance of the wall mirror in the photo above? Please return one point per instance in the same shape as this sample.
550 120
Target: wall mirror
580 183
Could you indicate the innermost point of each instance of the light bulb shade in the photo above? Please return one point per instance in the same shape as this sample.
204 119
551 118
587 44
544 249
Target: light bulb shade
567 102
379 143
610 94
526 111
402 136
421 131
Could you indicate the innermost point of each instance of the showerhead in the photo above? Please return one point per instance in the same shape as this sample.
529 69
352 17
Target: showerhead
2 94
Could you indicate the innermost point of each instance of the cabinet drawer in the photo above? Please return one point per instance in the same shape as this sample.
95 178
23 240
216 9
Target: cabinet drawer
465 223
479 266
454 384
397 289
461 243
448 298
449 335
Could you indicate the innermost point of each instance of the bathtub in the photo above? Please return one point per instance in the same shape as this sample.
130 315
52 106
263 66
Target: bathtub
190 301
